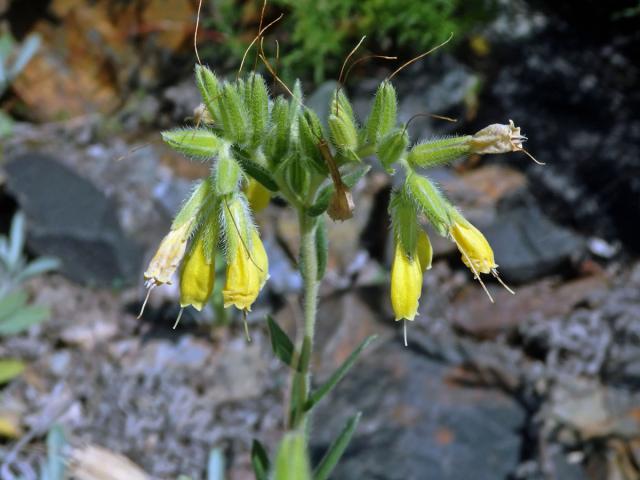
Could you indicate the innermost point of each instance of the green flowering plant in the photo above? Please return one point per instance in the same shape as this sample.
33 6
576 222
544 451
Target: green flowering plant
260 146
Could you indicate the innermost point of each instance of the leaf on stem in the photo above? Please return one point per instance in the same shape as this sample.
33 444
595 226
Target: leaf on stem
260 460
336 376
336 449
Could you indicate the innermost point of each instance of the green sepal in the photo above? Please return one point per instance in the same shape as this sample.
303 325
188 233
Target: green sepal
391 148
439 151
226 172
257 104
255 170
233 115
281 343
292 461
310 136
323 197
260 460
199 196
277 142
430 200
296 175
200 143
404 221
382 118
336 449
322 247
237 224
337 375
209 87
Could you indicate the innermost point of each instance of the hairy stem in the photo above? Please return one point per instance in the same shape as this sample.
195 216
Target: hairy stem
309 270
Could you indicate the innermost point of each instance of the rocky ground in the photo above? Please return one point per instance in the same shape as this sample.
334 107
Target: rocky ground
543 384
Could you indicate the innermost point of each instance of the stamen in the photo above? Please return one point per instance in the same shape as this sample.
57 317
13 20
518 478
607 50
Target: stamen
146 299
477 275
404 328
246 326
532 157
178 319
494 272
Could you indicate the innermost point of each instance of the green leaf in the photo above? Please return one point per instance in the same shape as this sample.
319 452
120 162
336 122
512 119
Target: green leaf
199 143
11 304
292 462
336 449
22 320
16 240
323 196
255 170
9 369
38 267
299 384
322 247
280 343
260 460
56 462
215 466
336 376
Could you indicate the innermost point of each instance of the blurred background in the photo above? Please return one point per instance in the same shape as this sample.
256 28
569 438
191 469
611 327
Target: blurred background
541 385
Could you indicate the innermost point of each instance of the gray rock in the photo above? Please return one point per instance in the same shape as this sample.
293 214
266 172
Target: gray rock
528 245
418 425
69 218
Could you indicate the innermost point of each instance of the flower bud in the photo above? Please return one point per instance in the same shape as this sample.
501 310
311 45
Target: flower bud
310 136
497 138
257 105
383 113
440 151
277 142
392 148
209 87
233 116
198 274
201 143
430 200
406 284
342 124
226 172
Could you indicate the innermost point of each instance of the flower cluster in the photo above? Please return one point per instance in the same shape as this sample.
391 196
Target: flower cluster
260 146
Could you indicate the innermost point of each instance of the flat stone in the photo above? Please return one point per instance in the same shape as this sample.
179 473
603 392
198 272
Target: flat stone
69 218
417 424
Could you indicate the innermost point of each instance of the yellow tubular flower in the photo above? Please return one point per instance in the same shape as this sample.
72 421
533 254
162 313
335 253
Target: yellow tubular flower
197 277
258 195
169 255
246 274
473 246
406 284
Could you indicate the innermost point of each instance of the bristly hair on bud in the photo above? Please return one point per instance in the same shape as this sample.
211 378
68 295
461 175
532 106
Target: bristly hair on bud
383 116
200 144
431 202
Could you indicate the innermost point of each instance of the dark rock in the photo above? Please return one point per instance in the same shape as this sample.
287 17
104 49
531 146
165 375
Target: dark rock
528 245
417 424
574 89
69 218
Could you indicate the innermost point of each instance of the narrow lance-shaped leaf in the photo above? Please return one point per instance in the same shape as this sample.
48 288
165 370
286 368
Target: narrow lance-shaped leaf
56 461
336 376
215 465
280 343
336 449
255 170
260 460
201 144
22 320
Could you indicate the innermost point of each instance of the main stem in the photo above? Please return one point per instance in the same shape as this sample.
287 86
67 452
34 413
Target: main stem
309 270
